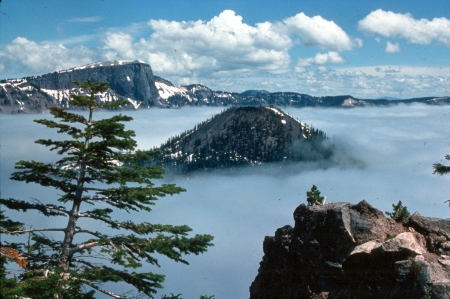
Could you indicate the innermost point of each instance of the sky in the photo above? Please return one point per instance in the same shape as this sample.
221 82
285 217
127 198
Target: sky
367 49
395 148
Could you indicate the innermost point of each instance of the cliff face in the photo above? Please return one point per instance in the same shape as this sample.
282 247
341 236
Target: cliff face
133 81
130 80
340 250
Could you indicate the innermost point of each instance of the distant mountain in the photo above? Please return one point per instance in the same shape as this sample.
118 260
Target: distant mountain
243 136
388 98
254 92
135 82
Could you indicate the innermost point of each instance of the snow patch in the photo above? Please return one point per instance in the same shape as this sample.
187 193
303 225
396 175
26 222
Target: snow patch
165 91
348 103
276 111
222 95
64 94
135 104
102 64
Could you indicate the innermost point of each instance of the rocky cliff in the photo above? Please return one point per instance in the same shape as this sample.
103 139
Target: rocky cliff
128 79
131 80
343 251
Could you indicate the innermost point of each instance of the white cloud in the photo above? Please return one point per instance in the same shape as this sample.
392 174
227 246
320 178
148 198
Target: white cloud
189 49
320 59
317 31
417 31
392 48
224 43
118 45
227 44
37 58
362 82
85 20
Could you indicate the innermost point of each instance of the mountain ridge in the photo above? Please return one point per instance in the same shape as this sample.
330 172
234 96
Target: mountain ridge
135 82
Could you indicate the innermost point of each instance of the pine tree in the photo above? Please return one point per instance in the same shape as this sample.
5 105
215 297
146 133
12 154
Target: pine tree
313 197
98 173
440 168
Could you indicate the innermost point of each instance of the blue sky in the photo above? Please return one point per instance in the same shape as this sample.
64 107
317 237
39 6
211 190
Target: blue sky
367 49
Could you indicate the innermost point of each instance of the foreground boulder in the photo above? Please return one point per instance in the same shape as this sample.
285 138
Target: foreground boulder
343 250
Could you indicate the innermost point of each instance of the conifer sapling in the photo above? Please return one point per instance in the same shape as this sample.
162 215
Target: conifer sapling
313 197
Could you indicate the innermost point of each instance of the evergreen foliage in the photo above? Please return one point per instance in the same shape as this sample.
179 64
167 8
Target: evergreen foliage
440 168
400 212
98 174
313 197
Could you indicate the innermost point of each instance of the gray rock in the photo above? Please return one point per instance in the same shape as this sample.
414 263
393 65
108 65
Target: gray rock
342 251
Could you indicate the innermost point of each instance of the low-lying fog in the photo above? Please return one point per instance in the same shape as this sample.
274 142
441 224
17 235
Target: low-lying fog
396 147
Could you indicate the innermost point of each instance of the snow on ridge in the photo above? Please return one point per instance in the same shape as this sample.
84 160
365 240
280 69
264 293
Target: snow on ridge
59 94
165 91
303 125
222 94
198 87
14 82
102 64
64 94
276 111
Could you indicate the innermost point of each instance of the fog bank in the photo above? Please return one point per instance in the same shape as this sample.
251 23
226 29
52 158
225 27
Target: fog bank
395 148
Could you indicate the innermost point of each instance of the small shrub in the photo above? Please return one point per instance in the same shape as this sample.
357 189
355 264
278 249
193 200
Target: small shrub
400 212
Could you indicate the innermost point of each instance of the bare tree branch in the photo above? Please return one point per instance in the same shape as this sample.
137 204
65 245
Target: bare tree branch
111 294
17 232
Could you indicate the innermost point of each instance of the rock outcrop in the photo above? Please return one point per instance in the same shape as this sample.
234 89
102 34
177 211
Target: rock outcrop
343 251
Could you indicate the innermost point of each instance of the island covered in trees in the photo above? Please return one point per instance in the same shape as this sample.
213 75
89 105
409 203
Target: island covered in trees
243 136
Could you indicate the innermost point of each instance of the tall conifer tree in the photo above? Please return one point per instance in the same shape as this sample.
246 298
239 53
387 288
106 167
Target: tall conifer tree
98 173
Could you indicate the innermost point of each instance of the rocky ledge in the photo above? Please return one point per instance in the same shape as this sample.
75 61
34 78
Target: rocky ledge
344 250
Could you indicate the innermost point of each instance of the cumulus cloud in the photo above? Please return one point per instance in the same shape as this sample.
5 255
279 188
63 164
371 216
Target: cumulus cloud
317 31
224 43
363 82
189 50
417 31
38 58
392 48
118 45
320 60
227 44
